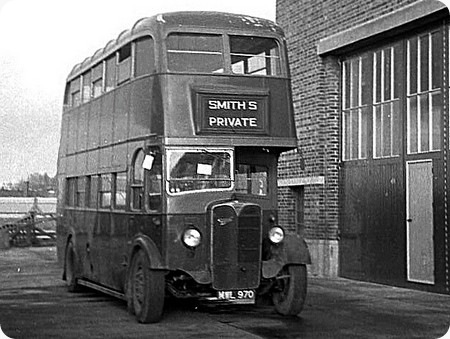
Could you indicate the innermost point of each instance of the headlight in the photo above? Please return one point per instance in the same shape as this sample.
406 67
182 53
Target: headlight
192 237
276 234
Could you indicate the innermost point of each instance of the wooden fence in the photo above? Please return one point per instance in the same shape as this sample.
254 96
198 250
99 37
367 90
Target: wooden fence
35 228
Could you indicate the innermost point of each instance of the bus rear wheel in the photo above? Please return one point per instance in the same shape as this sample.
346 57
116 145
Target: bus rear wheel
290 291
146 299
70 269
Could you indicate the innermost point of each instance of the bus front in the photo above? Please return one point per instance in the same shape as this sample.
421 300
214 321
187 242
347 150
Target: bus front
227 117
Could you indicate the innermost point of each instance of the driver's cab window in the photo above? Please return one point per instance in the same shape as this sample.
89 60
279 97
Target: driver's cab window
251 179
153 179
146 180
137 183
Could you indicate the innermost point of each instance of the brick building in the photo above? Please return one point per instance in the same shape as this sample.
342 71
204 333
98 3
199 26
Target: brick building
368 186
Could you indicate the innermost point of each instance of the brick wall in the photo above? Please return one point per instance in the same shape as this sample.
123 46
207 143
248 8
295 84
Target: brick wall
316 92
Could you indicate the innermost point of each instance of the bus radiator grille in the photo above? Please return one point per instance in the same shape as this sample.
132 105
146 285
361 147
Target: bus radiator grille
236 246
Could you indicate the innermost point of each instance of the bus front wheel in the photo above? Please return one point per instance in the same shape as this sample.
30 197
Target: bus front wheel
70 269
146 298
290 290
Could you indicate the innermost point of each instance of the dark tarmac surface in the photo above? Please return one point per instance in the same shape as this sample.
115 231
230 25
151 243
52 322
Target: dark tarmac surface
34 304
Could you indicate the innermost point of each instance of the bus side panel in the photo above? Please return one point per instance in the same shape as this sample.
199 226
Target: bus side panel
146 113
118 250
91 264
106 130
121 112
100 249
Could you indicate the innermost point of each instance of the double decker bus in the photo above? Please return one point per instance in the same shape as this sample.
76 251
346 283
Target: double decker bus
167 168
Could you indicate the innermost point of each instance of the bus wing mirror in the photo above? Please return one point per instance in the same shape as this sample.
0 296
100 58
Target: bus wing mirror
148 162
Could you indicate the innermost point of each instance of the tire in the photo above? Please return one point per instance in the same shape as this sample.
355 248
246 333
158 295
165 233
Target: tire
290 291
71 269
146 290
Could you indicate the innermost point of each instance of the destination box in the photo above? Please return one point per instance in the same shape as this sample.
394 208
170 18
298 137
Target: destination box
229 113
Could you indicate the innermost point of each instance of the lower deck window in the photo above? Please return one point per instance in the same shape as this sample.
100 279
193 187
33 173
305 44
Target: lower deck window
105 191
121 190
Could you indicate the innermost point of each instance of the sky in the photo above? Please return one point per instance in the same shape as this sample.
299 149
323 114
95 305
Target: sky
40 42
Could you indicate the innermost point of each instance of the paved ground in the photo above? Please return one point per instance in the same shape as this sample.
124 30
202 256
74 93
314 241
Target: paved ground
35 304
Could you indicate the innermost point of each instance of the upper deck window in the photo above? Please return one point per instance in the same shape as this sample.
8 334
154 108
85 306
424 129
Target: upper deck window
110 76
145 56
75 92
86 86
97 80
200 53
254 55
124 64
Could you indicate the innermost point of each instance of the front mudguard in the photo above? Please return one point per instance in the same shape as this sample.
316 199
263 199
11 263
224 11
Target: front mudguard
293 250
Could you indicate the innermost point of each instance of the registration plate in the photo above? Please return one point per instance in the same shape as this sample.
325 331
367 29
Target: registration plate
237 296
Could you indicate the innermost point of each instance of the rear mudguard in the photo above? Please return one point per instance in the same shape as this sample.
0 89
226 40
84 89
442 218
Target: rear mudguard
293 250
71 237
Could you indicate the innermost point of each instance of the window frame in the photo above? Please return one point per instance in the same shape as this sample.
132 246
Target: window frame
390 120
124 63
226 68
189 52
94 192
250 179
353 106
98 76
268 59
135 186
81 191
71 183
418 94
105 188
399 98
120 177
174 155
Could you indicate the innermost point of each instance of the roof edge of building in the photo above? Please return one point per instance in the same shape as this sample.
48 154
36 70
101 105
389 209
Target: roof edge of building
381 25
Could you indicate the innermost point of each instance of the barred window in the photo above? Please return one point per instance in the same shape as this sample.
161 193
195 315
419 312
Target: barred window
386 103
424 92
356 99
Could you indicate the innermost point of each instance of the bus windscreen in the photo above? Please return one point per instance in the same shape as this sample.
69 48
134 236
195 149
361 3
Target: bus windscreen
254 55
199 170
203 53
195 53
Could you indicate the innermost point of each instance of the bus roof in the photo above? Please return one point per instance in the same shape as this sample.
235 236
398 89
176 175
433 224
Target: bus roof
167 21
